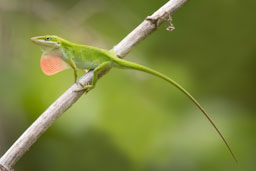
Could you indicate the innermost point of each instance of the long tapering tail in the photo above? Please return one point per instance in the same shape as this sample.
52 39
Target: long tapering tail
126 64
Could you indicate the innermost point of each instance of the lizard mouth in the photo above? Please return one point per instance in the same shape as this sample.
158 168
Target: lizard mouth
40 40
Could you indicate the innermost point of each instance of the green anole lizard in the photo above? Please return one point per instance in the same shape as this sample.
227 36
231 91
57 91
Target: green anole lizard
59 54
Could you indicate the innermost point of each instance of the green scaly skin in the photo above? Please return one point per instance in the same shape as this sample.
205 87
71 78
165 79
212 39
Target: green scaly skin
96 59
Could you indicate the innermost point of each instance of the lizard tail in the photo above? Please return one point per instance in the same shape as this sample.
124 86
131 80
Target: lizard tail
126 64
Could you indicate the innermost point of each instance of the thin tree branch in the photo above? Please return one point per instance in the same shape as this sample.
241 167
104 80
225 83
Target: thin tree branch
65 101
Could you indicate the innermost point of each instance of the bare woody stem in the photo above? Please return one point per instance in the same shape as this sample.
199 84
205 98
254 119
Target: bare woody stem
65 101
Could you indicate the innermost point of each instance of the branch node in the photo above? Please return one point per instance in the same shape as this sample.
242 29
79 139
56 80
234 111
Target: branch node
157 20
153 20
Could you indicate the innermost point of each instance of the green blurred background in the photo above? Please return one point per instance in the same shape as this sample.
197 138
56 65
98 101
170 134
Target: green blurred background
133 121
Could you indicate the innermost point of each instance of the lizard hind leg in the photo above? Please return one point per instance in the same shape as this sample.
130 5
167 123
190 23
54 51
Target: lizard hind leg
96 71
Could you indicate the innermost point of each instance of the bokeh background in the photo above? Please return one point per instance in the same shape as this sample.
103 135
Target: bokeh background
133 121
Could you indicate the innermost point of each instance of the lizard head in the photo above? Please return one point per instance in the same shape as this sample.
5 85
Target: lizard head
48 42
51 60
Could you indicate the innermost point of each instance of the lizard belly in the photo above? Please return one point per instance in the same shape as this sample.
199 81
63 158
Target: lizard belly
89 58
88 64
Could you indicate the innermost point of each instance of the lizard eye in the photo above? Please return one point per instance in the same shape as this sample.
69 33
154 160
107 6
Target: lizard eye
47 38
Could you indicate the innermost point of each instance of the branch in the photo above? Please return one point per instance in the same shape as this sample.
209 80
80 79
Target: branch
25 141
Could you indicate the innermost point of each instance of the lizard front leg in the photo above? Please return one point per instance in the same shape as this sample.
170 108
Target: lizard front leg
73 65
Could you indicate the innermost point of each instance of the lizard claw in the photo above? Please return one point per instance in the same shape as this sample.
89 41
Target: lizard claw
77 82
